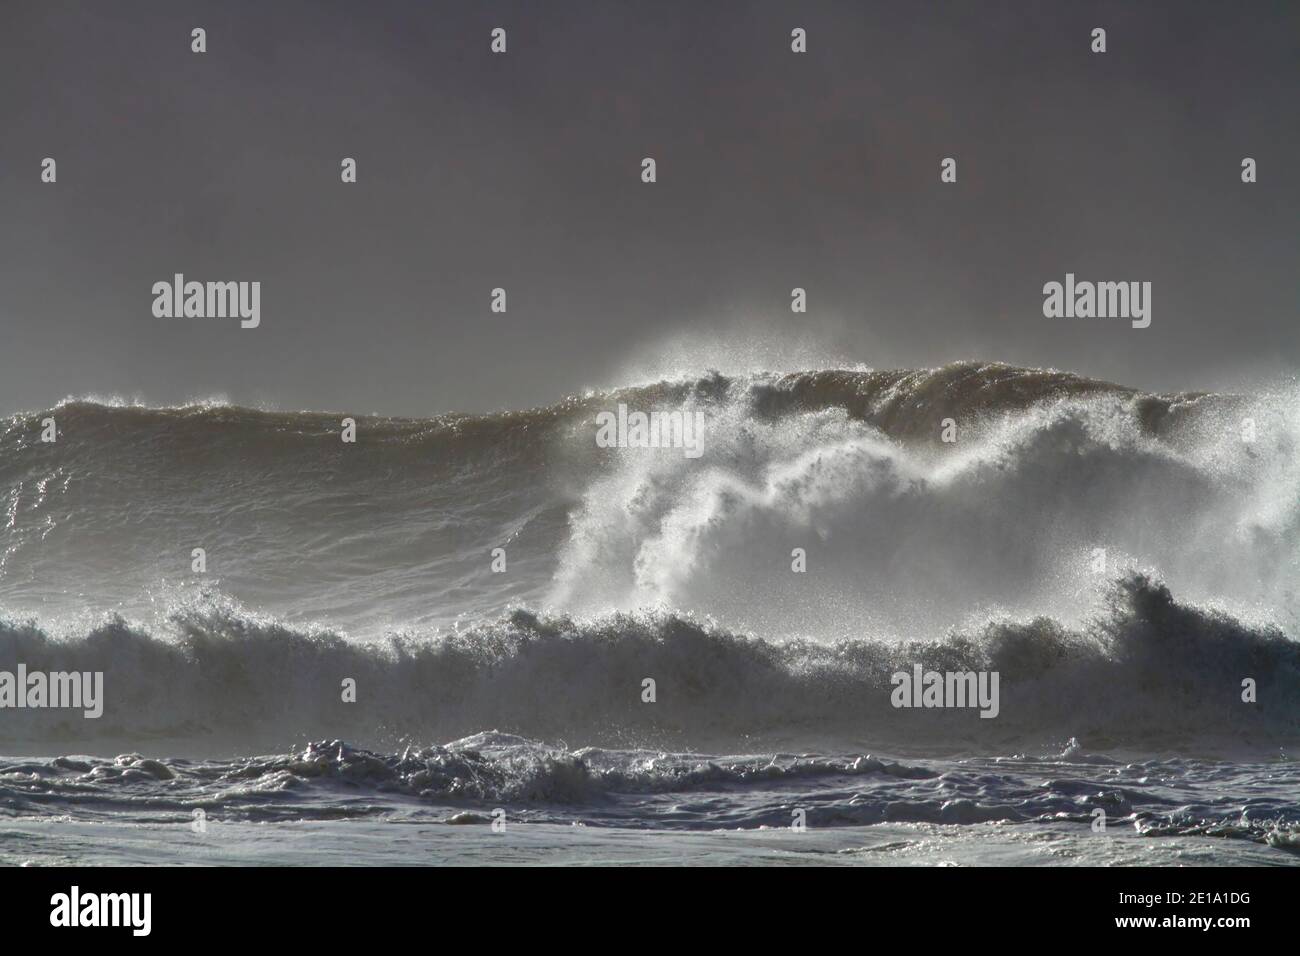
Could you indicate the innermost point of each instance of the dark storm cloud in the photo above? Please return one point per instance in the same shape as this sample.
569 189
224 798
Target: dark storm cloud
522 171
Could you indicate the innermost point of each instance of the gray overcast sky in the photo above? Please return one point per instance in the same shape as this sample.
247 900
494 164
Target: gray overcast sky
523 171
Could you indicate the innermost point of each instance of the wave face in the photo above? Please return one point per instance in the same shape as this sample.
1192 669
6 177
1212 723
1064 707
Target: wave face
1124 560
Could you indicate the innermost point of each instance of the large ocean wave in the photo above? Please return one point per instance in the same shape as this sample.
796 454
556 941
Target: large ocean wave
1123 559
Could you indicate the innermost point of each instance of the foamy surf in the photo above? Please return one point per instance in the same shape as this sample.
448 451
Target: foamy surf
1148 672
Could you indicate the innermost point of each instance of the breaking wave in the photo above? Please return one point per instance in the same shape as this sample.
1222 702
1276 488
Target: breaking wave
1148 673
1124 560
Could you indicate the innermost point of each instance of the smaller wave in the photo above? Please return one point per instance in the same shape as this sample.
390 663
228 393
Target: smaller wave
1148 671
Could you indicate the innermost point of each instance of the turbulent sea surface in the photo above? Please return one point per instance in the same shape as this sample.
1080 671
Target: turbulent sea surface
1123 561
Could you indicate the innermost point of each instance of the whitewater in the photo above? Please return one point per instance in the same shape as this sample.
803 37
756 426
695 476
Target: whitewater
1123 560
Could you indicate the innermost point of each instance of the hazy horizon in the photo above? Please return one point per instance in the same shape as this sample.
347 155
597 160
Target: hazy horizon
521 171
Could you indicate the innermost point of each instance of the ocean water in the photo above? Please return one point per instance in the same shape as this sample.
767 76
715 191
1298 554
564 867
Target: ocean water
1123 561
